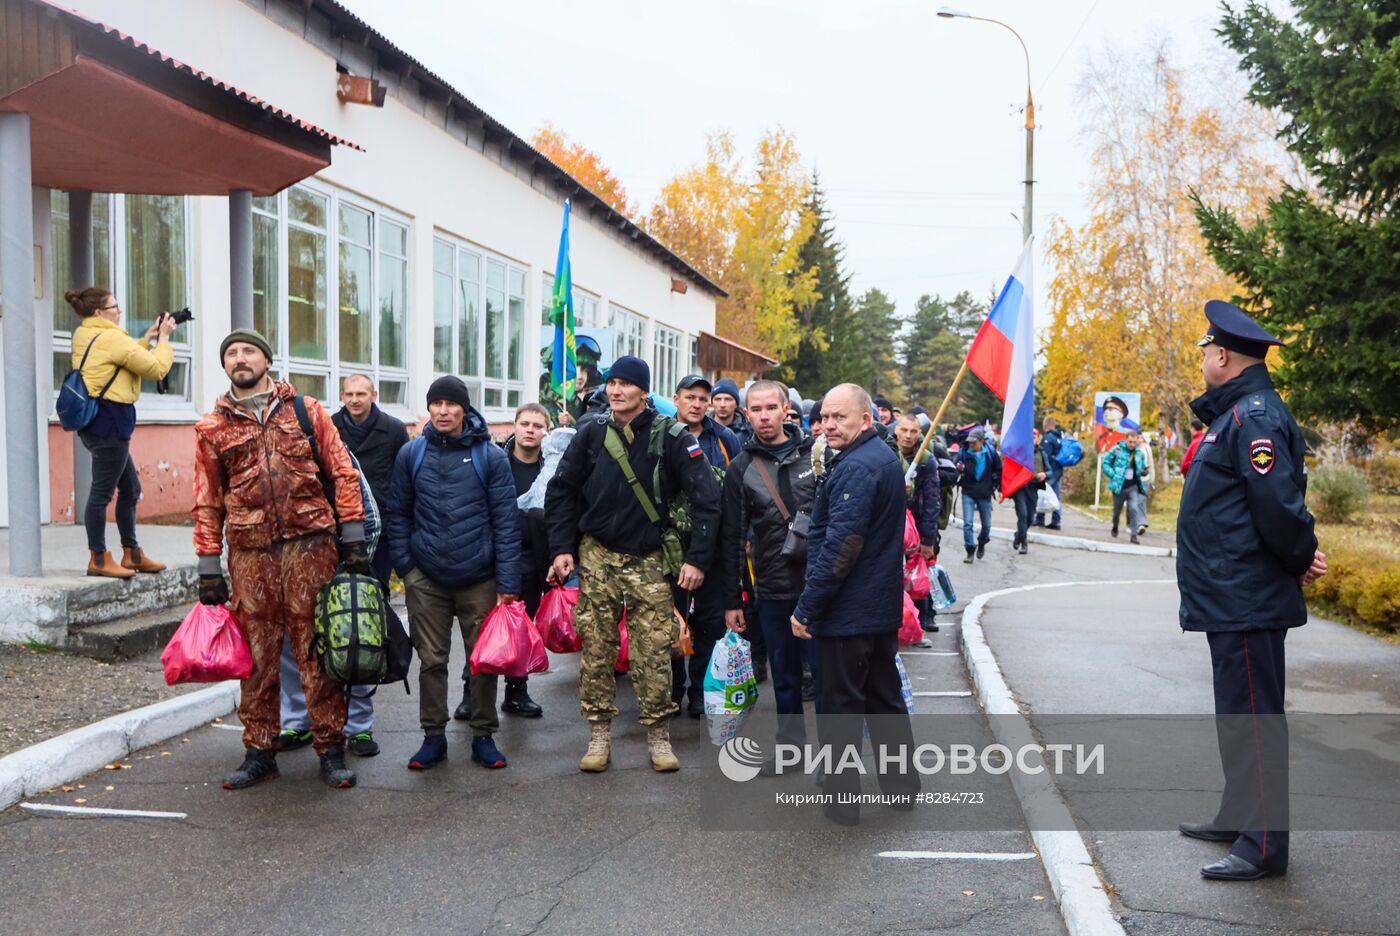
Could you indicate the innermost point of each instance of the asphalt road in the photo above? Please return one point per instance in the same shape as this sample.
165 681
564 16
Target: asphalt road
541 848
535 848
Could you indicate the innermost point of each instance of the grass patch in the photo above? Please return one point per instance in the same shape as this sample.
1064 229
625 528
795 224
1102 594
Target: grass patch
1362 585
40 646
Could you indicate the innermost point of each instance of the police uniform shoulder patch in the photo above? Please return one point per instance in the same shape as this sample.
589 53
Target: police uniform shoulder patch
1261 455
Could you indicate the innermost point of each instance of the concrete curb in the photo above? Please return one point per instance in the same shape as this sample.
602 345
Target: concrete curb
69 756
1076 542
1084 904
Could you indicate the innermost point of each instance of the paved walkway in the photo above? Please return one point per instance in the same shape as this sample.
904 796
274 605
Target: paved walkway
65 547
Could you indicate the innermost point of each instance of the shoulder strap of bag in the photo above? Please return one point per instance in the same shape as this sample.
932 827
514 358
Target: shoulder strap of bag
761 466
420 450
612 443
110 380
479 456
304 420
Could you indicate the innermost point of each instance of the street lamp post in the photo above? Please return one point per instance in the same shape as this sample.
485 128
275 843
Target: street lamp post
1026 226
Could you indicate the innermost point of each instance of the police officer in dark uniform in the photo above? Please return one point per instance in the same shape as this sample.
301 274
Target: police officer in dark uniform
1245 548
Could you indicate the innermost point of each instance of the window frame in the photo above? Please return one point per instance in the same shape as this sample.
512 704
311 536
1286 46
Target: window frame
150 407
332 369
505 393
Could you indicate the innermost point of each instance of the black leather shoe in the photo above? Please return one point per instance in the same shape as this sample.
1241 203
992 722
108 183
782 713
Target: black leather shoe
1235 868
518 702
981 550
929 628
696 708
1206 832
1023 549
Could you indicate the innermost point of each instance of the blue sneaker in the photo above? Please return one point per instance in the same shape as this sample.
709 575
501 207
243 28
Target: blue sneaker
485 753
433 752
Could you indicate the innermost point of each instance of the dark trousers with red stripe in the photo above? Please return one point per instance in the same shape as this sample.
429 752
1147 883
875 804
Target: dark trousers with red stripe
1253 738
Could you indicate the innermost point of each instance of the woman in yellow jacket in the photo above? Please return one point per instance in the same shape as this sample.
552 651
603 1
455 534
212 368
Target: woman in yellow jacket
114 367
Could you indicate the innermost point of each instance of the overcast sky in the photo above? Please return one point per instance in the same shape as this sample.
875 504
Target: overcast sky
910 119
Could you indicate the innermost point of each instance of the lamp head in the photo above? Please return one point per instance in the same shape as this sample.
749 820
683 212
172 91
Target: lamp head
950 13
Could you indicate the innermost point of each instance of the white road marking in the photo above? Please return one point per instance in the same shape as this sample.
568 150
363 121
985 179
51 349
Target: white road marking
961 693
99 811
905 653
957 856
227 727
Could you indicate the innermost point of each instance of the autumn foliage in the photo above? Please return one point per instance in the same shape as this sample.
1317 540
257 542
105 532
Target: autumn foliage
585 166
1130 284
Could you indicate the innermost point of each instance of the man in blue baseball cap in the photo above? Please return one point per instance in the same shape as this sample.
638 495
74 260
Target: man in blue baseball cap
1245 549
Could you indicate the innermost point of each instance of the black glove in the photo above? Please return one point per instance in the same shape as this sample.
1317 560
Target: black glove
213 590
357 558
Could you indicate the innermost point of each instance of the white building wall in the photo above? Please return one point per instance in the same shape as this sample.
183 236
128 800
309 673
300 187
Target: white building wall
410 165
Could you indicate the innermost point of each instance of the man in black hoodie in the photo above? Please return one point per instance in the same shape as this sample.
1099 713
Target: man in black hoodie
768 494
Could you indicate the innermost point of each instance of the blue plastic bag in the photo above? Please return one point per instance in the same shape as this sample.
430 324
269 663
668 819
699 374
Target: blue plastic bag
730 688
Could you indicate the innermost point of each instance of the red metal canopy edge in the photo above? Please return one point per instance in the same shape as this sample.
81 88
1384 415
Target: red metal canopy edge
177 65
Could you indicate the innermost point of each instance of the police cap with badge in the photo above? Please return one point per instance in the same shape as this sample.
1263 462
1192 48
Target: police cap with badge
1231 328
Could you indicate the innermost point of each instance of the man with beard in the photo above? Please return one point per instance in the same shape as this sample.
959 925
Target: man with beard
257 483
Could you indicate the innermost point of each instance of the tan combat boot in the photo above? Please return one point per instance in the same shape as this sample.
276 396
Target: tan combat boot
136 560
599 753
663 759
103 565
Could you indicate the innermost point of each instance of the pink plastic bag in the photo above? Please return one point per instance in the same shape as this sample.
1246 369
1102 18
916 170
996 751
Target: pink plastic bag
508 644
909 630
555 620
622 661
916 581
911 534
209 646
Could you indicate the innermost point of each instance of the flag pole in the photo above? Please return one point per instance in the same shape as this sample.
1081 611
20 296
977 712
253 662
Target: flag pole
937 418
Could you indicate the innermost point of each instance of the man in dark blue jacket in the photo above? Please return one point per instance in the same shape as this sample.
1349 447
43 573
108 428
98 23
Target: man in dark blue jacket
454 539
1245 549
1051 438
853 598
979 475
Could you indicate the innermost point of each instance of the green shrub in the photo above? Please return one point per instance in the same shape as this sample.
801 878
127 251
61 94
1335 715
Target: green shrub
1337 493
1361 585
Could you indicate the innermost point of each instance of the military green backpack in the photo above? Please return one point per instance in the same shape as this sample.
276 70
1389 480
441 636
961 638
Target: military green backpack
352 630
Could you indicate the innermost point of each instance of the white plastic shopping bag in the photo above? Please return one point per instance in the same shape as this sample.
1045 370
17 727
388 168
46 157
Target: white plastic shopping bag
730 688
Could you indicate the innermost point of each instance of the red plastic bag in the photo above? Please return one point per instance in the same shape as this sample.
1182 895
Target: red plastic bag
916 581
209 646
622 663
909 630
911 534
555 620
508 644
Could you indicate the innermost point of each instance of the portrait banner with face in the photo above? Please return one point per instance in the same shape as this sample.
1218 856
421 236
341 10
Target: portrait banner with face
1116 413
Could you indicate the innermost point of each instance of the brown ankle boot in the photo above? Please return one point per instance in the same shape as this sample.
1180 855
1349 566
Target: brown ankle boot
136 560
102 564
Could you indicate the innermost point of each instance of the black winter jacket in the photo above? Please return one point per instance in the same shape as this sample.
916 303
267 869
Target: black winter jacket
752 516
590 495
443 521
855 553
1244 534
923 497
376 451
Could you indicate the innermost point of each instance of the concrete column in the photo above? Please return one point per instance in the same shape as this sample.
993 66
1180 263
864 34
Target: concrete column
21 370
82 274
240 258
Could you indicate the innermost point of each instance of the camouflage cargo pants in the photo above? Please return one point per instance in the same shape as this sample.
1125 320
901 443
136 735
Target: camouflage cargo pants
274 594
607 579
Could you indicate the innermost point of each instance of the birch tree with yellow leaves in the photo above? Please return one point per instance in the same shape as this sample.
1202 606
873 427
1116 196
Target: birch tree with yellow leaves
744 228
1130 284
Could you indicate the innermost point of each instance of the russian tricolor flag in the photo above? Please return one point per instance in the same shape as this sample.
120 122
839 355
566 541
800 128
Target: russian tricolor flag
1003 357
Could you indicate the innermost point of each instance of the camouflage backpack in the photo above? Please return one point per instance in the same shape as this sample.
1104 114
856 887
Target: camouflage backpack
352 630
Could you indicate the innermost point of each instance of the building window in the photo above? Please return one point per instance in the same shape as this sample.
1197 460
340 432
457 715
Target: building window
585 305
479 321
629 332
694 356
666 359
316 249
141 252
